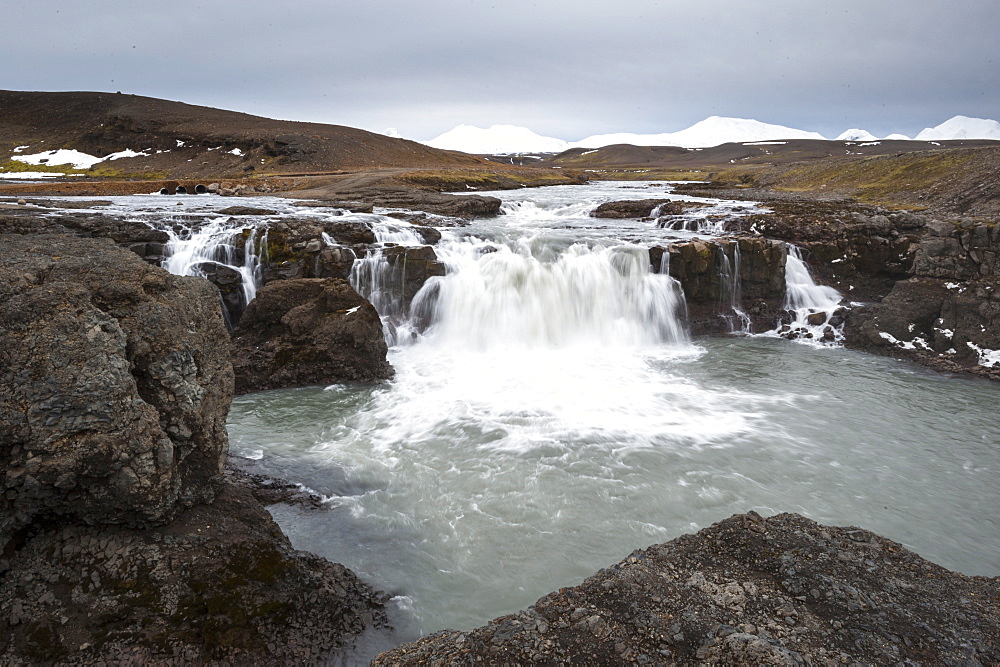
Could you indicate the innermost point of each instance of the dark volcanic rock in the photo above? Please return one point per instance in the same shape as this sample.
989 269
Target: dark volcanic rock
717 274
860 250
308 331
642 208
115 385
120 230
219 583
948 315
779 591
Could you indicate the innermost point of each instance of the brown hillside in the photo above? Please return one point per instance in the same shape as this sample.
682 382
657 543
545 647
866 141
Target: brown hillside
104 123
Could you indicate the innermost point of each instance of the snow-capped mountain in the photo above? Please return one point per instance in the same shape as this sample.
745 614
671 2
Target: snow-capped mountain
715 130
712 131
962 127
854 134
496 140
897 137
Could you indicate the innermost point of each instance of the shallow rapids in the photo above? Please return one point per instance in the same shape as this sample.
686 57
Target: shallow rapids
554 417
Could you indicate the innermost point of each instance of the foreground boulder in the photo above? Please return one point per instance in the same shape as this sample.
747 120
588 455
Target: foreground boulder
115 385
218 583
748 590
308 331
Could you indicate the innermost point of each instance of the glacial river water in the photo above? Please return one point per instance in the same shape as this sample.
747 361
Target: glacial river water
556 416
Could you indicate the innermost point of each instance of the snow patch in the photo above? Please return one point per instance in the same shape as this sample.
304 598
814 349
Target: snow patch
236 151
28 175
62 156
21 149
987 357
125 153
917 343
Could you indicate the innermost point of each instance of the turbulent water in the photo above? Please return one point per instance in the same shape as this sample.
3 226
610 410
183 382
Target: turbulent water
555 416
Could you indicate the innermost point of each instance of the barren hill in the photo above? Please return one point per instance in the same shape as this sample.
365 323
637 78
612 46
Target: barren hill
183 140
957 176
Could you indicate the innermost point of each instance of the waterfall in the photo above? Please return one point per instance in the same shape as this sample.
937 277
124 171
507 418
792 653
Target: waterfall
210 251
729 298
396 232
382 283
190 251
815 309
498 295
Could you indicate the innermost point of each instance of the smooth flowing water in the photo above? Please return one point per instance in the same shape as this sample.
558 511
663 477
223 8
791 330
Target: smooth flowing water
555 416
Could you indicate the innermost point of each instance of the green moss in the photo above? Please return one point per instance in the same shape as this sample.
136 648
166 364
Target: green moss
97 171
111 174
637 174
18 167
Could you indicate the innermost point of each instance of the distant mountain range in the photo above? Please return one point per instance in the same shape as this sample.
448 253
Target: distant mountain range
713 131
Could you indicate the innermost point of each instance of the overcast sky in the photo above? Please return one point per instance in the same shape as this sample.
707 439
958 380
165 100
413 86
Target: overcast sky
566 69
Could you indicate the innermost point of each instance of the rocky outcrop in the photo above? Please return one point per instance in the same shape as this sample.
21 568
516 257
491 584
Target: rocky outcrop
115 387
218 583
719 274
948 314
642 208
308 331
779 591
860 250
115 384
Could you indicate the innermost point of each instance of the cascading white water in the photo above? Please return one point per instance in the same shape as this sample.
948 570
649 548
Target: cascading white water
812 306
396 232
191 248
502 296
729 306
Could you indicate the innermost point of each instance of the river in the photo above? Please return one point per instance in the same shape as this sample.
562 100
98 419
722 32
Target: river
555 417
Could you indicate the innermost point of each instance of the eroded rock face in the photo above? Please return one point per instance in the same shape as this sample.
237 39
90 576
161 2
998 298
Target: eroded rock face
115 385
716 274
948 315
859 250
308 331
747 590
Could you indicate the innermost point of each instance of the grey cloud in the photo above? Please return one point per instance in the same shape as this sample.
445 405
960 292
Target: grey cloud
566 69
